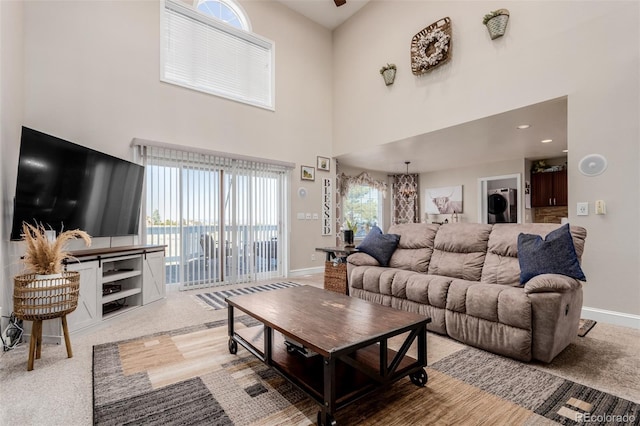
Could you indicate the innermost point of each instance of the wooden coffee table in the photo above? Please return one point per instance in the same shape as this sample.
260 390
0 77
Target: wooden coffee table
345 340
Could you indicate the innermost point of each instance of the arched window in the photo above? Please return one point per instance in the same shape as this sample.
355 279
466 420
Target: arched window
225 10
207 45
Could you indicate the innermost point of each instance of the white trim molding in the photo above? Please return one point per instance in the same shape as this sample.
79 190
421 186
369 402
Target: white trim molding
305 271
611 317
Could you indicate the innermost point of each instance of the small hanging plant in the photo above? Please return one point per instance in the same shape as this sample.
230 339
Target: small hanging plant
496 22
388 72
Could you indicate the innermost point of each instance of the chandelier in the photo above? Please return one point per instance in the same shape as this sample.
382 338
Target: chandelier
407 189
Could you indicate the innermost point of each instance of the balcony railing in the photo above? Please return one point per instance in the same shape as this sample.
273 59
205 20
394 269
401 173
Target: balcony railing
194 256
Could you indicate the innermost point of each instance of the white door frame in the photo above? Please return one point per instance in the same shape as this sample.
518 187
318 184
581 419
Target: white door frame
482 195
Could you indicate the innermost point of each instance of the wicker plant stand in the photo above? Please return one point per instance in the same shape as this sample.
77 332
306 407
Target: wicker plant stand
37 300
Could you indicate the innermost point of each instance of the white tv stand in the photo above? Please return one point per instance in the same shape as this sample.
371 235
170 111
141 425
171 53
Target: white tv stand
115 280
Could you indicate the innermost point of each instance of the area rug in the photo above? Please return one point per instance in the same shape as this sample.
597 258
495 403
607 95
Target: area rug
585 326
215 299
187 376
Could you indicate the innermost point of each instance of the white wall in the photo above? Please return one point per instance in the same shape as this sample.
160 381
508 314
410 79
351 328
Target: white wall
11 109
585 50
91 76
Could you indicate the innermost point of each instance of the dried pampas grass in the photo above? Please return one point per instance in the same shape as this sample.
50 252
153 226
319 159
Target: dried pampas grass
46 257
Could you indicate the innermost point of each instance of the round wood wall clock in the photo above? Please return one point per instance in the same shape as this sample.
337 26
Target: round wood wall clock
431 46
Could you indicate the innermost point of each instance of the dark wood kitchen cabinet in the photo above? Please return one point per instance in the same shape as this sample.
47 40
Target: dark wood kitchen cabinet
549 189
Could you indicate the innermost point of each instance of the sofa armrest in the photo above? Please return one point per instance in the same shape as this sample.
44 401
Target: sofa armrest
362 259
546 283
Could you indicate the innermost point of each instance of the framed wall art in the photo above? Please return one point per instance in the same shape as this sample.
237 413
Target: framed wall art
307 173
324 163
445 200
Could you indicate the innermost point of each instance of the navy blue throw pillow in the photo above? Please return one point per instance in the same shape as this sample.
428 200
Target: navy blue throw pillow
556 254
379 246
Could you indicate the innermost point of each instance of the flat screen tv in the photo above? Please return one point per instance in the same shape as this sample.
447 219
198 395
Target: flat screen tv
62 186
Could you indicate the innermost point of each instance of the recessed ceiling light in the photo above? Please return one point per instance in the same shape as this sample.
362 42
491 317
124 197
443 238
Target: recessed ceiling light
565 150
546 140
524 126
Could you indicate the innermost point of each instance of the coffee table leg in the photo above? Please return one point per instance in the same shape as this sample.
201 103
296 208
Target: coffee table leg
325 417
233 345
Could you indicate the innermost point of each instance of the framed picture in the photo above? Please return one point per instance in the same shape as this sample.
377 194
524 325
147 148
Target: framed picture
307 173
445 200
324 163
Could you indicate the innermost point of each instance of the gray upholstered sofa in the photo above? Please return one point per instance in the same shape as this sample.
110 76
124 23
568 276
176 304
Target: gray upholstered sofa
466 278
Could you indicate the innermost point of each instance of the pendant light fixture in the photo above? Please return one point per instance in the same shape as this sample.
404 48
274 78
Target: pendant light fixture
407 189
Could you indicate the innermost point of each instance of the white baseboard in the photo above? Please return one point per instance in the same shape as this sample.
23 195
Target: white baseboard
306 271
611 317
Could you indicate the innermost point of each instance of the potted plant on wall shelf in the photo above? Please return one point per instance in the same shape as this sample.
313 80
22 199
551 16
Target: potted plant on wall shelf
496 22
388 73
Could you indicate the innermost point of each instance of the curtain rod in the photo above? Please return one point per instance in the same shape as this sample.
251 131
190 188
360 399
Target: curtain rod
145 142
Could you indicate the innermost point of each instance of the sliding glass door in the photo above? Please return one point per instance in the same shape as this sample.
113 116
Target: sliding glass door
221 219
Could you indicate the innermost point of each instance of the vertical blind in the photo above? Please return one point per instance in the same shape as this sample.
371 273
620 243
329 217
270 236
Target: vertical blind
222 219
211 56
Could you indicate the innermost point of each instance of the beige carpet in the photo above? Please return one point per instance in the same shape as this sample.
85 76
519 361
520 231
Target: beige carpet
188 376
61 388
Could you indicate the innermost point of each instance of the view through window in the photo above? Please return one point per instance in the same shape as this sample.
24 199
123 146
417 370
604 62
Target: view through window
363 206
221 219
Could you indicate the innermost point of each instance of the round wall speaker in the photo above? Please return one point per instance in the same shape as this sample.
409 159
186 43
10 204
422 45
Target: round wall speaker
592 165
302 192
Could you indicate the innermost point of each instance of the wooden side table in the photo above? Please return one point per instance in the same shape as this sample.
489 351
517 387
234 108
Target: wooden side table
335 268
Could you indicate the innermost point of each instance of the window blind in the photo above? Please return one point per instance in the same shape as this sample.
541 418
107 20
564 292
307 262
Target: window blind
222 219
205 54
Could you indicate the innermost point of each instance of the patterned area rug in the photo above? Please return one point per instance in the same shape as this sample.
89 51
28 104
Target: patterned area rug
187 376
215 300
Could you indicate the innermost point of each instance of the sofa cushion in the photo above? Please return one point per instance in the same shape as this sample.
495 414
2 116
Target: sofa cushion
501 265
556 254
415 246
459 250
379 246
428 289
497 303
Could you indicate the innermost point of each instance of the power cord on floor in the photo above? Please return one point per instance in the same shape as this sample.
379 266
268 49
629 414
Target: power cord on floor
12 335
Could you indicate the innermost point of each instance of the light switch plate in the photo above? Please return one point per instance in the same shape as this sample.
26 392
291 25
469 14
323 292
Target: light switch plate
600 207
583 209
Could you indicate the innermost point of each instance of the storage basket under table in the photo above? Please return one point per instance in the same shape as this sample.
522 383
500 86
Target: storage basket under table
36 299
335 276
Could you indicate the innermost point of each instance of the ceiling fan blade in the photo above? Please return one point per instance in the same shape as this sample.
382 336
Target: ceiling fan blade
339 2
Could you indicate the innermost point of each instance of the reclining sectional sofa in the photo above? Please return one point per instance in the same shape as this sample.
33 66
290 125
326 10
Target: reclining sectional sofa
466 277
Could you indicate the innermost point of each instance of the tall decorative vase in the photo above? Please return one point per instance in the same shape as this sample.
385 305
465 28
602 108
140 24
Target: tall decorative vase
348 237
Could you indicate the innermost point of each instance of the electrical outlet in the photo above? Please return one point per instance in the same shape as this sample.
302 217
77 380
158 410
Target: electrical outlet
583 209
313 256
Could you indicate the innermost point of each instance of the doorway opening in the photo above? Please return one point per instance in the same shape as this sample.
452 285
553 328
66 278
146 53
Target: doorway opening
496 198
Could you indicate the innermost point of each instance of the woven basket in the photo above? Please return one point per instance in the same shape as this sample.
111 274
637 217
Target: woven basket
498 24
36 298
335 277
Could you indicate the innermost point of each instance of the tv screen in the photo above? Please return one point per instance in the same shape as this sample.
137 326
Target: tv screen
62 186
